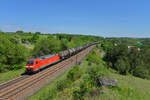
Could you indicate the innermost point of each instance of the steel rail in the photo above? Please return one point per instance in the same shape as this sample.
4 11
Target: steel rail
10 82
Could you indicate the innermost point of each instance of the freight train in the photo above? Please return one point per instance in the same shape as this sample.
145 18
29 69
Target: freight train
36 64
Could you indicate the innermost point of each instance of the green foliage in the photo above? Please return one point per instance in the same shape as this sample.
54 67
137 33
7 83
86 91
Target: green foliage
38 33
129 61
93 73
74 73
19 32
64 44
84 87
35 37
93 58
62 84
15 39
46 46
122 65
77 95
141 71
12 54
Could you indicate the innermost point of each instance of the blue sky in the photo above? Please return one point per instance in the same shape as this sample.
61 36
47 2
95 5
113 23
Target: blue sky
108 18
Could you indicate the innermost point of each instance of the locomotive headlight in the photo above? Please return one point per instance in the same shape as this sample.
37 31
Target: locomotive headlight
31 66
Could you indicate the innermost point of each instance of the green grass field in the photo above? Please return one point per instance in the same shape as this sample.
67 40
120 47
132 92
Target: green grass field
10 75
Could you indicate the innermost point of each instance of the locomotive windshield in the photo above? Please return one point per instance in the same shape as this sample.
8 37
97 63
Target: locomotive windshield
30 62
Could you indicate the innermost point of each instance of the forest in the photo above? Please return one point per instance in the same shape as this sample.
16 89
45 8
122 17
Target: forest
133 61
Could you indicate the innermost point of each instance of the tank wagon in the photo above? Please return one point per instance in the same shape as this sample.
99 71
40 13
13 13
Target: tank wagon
36 64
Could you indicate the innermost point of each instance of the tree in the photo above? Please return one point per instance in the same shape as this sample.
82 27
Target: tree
12 54
122 65
19 32
38 33
34 38
46 46
1 33
15 39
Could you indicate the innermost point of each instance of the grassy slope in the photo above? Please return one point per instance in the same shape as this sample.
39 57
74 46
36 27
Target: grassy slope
128 88
140 88
10 75
49 87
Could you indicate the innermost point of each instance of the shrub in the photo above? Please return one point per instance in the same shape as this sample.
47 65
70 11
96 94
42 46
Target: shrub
85 86
77 95
74 73
62 84
93 58
93 73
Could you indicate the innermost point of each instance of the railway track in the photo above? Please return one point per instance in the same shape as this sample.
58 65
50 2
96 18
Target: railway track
6 84
24 86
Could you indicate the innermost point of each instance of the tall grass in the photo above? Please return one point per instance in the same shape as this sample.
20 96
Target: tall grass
10 75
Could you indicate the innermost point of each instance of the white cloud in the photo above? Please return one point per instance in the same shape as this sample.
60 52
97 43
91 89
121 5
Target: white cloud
11 28
26 28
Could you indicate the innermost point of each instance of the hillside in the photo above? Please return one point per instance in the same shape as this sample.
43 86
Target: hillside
83 87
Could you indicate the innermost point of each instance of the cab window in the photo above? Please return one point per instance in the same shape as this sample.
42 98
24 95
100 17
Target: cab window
30 63
36 62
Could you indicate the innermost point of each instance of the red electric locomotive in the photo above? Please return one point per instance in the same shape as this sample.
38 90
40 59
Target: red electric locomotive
36 64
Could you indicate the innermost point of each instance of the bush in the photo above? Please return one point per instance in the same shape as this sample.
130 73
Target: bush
93 58
74 73
85 86
62 84
93 73
77 94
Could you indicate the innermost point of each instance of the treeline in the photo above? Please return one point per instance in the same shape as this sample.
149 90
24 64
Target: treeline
58 42
138 42
129 61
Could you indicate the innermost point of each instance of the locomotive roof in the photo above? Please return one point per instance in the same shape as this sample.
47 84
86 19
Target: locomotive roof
44 57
